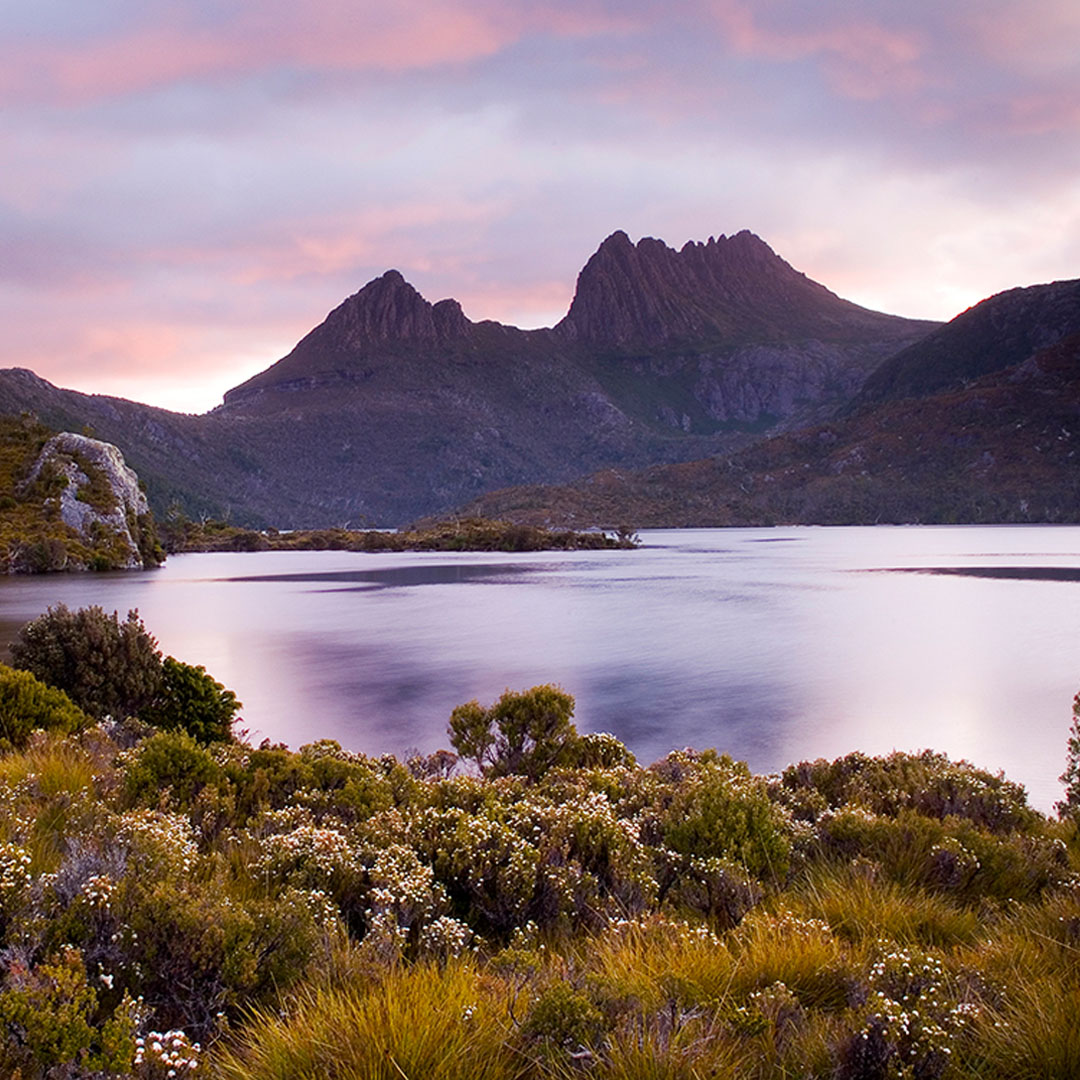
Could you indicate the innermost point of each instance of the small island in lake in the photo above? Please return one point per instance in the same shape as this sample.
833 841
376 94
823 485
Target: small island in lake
458 534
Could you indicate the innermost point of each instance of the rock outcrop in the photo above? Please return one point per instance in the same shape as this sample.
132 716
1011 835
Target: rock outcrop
88 486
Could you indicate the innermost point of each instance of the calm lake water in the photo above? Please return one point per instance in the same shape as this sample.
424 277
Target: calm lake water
773 644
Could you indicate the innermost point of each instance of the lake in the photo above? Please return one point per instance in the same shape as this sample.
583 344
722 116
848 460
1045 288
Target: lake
775 645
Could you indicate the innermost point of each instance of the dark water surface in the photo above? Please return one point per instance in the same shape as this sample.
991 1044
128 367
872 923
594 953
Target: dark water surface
773 644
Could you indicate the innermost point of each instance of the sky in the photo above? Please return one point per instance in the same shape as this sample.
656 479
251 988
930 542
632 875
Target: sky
188 186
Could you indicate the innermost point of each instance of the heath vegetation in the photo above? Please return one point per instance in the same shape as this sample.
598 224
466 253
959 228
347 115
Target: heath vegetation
535 903
180 534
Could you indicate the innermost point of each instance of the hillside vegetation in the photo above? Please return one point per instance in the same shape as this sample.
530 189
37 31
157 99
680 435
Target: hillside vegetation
1001 448
176 902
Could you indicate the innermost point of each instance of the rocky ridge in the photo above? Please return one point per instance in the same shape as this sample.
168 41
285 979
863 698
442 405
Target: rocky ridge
726 290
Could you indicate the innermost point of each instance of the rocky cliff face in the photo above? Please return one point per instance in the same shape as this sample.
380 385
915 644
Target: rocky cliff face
91 490
1000 448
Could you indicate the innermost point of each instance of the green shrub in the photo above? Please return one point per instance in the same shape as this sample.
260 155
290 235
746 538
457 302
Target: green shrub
713 887
563 1018
951 856
54 1026
26 703
522 734
172 763
107 667
599 750
927 782
191 700
1069 807
200 953
718 810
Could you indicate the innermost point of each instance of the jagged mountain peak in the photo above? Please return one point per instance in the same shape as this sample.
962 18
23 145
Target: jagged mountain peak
648 294
388 308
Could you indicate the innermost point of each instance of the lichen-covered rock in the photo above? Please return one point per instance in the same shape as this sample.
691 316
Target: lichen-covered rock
91 489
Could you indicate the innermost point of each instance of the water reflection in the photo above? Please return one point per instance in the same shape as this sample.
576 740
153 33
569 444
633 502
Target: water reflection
388 577
775 645
1017 573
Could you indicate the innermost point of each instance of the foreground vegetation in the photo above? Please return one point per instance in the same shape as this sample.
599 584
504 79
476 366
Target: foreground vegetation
466 534
175 902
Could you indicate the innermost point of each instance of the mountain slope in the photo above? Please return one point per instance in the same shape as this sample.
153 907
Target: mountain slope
997 333
1002 448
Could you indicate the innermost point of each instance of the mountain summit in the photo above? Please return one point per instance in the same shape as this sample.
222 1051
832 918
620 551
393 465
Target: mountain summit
390 309
724 290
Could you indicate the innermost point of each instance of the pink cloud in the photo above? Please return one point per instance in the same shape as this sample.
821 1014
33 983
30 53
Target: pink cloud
862 59
1038 39
156 56
328 245
1043 114
322 35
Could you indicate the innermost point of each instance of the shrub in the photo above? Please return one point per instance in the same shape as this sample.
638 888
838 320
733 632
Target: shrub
107 667
927 782
522 734
199 952
563 1018
1069 807
718 810
27 703
714 887
191 700
599 750
914 1019
170 762
53 1023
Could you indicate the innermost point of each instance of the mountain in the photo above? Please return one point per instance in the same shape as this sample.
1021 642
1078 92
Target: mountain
1003 446
997 333
395 407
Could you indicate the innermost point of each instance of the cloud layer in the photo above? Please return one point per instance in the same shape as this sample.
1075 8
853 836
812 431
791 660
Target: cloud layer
188 187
